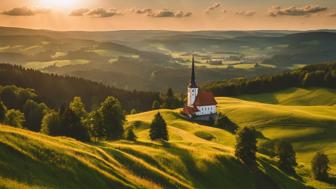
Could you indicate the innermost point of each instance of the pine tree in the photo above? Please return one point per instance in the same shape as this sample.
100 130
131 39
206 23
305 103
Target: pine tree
3 110
158 128
320 166
246 146
287 157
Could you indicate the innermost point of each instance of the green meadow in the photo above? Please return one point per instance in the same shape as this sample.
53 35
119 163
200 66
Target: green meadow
196 156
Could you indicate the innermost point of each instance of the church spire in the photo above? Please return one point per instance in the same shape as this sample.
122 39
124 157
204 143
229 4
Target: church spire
192 79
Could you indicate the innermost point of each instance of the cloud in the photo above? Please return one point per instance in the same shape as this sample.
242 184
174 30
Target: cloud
332 14
169 13
212 8
103 13
246 13
142 11
79 12
24 11
295 11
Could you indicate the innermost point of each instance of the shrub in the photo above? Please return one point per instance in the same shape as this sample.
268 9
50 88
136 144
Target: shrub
204 135
130 135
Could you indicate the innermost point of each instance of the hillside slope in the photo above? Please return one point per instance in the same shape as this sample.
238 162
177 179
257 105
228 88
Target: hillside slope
30 160
196 156
296 96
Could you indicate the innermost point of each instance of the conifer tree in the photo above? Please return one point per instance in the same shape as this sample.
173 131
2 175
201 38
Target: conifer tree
246 146
320 166
158 128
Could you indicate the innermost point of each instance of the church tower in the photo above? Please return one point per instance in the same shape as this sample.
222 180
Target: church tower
192 87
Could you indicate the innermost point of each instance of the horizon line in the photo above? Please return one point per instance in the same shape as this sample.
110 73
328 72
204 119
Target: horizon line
208 30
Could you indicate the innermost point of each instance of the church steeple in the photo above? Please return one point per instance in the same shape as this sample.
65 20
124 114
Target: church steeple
192 83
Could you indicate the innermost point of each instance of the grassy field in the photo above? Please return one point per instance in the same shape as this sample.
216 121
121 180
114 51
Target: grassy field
196 156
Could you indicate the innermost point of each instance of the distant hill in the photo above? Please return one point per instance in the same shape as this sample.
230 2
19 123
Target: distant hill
133 59
57 90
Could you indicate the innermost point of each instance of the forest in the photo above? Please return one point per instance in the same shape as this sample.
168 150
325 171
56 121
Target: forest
318 75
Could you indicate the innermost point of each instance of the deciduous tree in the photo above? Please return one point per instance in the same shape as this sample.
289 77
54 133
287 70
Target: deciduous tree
246 146
320 166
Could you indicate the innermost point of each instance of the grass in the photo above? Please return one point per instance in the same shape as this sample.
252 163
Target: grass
297 96
196 156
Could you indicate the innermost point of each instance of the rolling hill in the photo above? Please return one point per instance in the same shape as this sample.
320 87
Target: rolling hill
133 59
197 156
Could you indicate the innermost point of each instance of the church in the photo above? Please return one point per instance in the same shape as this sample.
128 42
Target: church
200 104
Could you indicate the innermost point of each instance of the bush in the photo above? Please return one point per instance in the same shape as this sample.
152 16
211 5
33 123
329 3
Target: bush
133 111
15 118
156 105
246 146
320 166
158 128
130 135
204 135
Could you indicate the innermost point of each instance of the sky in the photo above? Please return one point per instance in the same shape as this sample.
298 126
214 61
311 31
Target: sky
185 15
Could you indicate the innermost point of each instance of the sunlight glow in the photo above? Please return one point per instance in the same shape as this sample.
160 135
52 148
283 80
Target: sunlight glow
59 4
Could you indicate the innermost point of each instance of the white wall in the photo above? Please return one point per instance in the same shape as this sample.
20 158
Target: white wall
192 94
206 110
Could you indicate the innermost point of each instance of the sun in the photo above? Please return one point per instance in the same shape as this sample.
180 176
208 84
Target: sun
59 4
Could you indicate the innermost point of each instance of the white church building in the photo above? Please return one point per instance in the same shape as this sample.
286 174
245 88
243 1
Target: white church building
199 103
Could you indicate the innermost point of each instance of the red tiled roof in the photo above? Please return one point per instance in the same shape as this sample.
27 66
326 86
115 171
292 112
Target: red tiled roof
205 99
190 110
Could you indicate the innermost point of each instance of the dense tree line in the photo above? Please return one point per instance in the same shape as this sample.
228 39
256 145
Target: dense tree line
56 90
319 75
